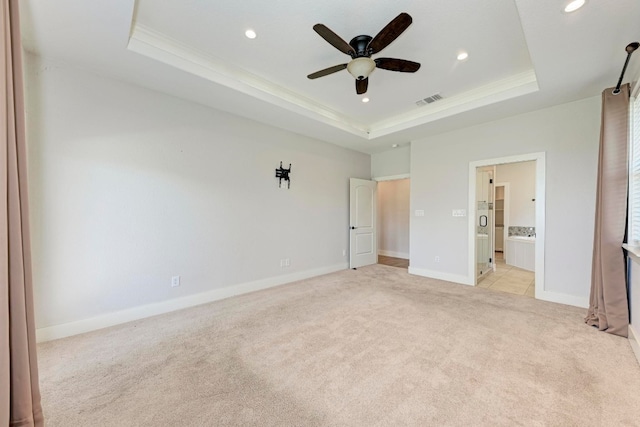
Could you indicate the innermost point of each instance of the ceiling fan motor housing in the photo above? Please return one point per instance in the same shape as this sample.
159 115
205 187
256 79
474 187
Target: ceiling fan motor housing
360 46
361 65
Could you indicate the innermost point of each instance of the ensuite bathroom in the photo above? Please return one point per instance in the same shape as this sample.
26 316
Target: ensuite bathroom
506 233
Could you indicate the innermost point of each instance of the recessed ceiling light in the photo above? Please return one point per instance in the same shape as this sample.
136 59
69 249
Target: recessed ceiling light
395 145
365 99
574 5
250 34
462 56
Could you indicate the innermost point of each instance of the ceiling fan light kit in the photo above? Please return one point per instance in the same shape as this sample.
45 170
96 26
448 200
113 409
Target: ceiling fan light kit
360 49
360 68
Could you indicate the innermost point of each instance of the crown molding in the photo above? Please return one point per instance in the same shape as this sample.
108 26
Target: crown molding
501 90
152 44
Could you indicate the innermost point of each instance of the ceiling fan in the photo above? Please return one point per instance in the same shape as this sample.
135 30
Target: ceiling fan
360 49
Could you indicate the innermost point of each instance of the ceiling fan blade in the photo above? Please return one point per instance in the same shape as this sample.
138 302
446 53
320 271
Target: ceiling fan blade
394 64
362 85
390 32
327 71
333 39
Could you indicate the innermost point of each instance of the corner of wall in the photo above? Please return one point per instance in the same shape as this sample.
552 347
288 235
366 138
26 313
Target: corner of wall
634 339
439 275
635 81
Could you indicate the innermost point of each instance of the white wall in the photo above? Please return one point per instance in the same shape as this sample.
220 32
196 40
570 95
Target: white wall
393 162
522 179
393 218
130 187
568 134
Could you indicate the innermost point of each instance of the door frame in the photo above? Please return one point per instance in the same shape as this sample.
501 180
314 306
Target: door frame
391 177
505 214
540 159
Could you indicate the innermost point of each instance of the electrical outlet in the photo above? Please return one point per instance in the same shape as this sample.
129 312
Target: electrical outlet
175 281
344 252
437 259
287 262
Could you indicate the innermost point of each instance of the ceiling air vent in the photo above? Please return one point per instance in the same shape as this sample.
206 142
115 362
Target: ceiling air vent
429 100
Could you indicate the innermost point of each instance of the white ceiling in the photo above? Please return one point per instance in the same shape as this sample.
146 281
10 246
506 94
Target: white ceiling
523 55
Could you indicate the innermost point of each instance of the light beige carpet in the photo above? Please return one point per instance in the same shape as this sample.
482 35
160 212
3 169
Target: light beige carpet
372 347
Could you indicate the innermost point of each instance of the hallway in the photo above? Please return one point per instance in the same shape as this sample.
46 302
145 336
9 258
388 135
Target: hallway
393 262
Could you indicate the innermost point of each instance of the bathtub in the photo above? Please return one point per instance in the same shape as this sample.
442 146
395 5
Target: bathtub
525 238
521 252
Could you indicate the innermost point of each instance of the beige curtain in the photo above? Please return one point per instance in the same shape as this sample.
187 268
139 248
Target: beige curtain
19 391
609 306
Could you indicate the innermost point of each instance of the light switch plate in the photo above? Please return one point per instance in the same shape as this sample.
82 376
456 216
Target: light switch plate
419 212
459 212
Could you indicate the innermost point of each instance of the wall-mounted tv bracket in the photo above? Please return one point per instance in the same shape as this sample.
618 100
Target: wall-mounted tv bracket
282 173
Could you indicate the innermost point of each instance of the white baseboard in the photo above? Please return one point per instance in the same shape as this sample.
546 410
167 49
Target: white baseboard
540 294
115 318
402 255
582 302
634 339
455 278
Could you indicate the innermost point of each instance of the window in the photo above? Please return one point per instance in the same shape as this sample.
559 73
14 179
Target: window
634 174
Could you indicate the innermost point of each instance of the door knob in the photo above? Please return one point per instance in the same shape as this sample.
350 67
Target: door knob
353 228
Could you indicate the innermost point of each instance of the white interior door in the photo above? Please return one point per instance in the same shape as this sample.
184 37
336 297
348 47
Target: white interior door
363 246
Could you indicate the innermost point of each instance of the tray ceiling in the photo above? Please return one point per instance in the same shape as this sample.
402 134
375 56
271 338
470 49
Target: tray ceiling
523 55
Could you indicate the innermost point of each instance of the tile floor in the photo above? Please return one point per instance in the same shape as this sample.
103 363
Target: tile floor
505 279
509 279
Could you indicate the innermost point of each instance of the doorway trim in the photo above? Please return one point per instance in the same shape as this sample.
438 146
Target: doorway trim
539 158
391 177
505 213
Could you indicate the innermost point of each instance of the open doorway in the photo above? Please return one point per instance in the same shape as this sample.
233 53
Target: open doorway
393 222
513 254
506 235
